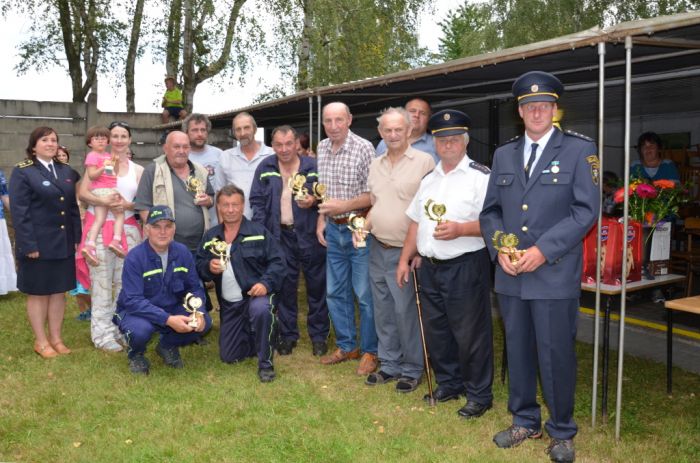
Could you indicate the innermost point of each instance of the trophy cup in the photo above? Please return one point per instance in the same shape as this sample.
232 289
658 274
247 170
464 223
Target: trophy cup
435 211
192 304
219 248
356 223
109 166
507 244
319 191
194 185
296 184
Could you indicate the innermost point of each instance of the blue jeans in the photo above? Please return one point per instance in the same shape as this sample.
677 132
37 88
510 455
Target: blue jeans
347 269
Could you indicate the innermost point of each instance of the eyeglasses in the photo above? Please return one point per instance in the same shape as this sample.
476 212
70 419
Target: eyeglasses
121 124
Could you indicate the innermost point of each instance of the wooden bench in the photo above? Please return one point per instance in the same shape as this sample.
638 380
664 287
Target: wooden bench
686 304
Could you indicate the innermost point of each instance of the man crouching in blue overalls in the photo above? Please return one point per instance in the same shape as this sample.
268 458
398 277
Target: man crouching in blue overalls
158 275
246 264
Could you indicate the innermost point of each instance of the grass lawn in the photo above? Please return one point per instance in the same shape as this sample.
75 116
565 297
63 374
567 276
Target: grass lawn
88 407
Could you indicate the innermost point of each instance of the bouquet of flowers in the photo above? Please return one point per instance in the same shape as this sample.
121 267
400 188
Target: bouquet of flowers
651 202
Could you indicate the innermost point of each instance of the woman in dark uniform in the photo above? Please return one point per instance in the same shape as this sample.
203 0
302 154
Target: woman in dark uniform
47 228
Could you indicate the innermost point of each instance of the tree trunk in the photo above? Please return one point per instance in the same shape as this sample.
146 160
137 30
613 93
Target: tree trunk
131 56
188 83
304 47
71 48
172 52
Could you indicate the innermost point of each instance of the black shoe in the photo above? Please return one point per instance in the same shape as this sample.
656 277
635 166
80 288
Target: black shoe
139 365
473 410
201 341
443 395
171 356
561 450
319 348
266 375
406 384
286 346
515 435
379 377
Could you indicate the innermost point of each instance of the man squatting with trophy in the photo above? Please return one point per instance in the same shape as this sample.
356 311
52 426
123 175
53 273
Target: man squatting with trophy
543 195
160 292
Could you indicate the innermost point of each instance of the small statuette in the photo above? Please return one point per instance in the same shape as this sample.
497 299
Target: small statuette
194 185
192 304
296 184
507 244
435 211
220 249
356 223
319 191
109 167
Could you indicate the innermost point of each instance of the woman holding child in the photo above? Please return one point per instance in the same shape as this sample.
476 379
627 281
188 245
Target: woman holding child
104 276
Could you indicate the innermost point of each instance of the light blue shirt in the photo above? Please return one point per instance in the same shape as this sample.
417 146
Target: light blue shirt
425 143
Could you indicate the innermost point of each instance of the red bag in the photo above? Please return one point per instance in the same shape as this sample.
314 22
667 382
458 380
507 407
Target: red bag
612 242
590 249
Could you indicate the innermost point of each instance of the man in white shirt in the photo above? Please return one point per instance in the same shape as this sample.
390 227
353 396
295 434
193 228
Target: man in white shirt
237 165
197 127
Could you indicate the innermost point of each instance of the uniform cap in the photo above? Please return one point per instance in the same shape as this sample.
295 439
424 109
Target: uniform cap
448 122
537 86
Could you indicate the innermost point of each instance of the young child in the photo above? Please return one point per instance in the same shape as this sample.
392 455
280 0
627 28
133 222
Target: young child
102 169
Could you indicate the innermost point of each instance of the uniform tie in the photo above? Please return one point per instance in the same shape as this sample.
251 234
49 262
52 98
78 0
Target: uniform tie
51 169
531 161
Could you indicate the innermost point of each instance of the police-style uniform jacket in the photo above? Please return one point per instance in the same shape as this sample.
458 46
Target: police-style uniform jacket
265 196
151 292
255 258
553 209
45 213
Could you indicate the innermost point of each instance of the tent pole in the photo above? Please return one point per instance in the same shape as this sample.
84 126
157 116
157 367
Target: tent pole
623 303
318 120
311 122
601 145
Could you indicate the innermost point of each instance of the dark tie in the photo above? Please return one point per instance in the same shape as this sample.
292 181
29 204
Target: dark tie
51 169
531 161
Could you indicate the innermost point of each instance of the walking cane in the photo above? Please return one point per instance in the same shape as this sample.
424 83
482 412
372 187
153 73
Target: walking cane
431 398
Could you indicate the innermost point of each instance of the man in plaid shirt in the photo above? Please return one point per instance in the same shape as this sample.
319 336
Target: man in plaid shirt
343 166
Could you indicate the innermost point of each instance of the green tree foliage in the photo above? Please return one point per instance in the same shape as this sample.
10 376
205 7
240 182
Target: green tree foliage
475 28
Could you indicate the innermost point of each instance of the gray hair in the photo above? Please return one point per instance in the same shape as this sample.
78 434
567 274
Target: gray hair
245 114
195 117
395 110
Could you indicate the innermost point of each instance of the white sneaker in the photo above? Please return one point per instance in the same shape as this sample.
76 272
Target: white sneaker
112 346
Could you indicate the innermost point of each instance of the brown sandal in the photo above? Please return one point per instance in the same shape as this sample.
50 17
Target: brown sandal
45 351
61 348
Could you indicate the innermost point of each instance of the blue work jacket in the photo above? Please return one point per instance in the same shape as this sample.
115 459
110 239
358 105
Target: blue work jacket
265 195
151 292
256 257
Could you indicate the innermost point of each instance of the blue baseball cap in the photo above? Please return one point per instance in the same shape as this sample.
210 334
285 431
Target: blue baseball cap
157 213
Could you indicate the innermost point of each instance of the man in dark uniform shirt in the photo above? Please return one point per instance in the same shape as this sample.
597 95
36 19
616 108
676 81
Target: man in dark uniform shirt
544 189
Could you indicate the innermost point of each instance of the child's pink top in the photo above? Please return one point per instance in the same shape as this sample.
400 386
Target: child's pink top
96 159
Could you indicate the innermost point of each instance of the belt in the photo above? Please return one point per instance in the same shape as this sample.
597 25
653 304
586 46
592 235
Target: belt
384 245
344 220
454 260
287 226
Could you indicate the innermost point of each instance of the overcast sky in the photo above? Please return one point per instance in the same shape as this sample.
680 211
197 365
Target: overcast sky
54 85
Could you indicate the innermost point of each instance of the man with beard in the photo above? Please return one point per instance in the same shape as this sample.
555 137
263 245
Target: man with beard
197 127
238 164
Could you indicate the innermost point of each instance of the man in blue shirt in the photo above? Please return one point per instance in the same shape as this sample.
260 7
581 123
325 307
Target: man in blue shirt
419 138
158 274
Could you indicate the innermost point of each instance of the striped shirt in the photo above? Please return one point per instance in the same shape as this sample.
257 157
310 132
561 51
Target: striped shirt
345 172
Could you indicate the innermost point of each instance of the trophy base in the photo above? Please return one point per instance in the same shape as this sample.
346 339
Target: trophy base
362 244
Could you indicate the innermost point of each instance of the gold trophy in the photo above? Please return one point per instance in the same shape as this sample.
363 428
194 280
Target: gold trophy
435 211
192 304
194 185
296 184
109 166
507 244
356 223
319 191
219 248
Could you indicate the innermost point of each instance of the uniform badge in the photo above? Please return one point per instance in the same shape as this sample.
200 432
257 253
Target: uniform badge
593 161
25 163
446 117
555 167
534 88
46 183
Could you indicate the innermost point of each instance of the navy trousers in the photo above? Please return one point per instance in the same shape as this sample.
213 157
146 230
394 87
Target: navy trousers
247 329
313 262
457 318
541 333
138 331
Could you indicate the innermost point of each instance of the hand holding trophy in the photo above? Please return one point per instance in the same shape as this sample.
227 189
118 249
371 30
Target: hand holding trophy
296 184
192 304
356 224
435 211
220 249
319 191
507 244
194 185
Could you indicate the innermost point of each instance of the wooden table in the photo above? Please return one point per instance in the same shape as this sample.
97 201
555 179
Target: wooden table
612 291
686 304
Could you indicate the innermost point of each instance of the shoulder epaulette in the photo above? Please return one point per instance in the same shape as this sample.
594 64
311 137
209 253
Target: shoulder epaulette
577 135
515 138
480 167
25 163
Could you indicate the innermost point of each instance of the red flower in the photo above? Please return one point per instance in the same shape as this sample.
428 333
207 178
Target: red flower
664 184
646 191
619 195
